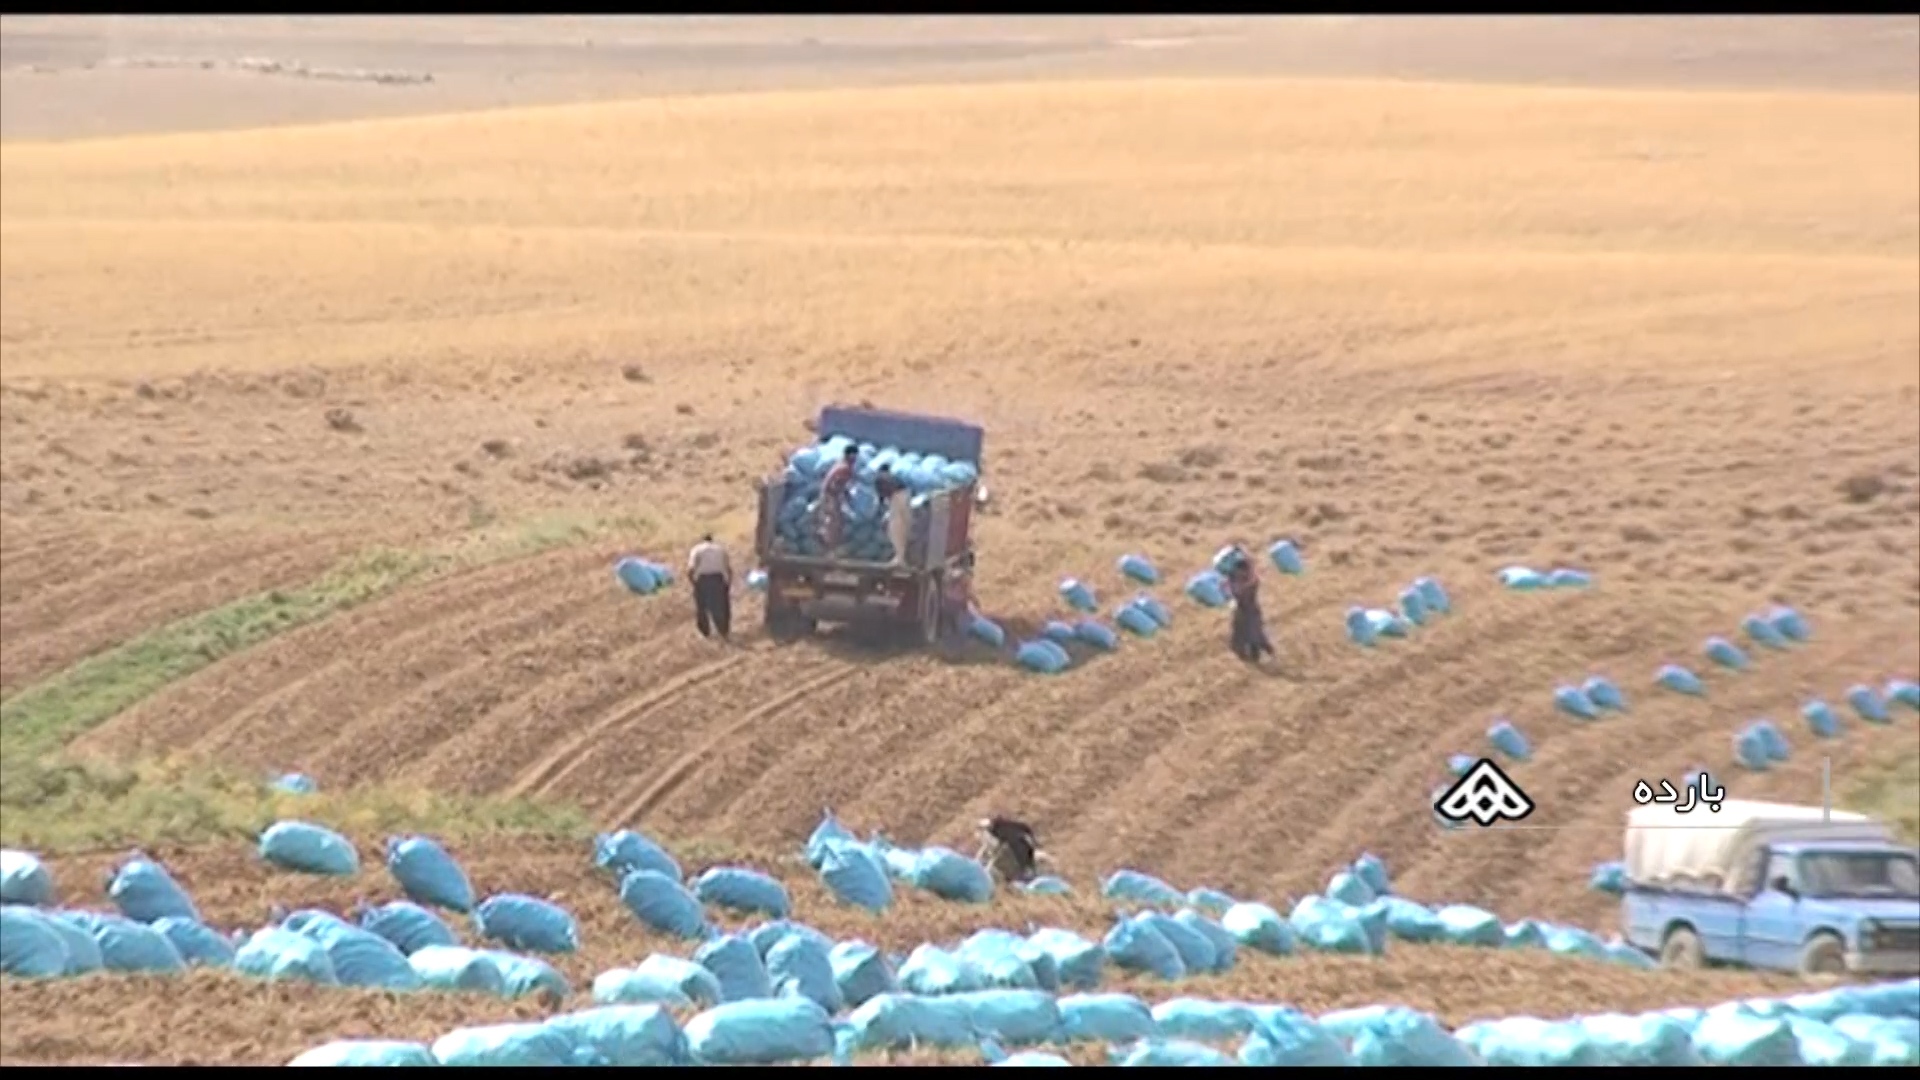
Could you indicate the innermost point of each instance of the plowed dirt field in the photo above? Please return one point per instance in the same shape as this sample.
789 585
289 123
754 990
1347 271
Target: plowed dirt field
1669 335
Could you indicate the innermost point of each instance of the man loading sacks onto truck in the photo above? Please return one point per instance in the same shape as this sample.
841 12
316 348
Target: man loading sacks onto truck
833 489
711 573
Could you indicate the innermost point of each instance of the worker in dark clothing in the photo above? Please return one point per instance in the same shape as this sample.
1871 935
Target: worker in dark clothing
1249 629
711 573
833 489
1010 849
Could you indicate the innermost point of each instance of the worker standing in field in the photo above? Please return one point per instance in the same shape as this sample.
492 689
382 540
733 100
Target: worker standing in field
712 575
1249 628
832 490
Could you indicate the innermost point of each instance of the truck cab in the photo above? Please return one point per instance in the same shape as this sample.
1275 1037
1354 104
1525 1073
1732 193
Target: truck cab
1772 887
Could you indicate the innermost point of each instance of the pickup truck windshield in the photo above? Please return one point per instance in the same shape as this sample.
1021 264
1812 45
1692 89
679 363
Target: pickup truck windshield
1860 874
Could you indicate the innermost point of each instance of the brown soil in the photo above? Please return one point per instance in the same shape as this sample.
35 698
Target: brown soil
1665 335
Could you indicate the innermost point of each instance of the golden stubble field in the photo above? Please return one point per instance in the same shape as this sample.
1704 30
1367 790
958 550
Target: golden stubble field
1672 337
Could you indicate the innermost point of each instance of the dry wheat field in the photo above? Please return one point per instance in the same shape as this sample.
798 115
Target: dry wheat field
324 415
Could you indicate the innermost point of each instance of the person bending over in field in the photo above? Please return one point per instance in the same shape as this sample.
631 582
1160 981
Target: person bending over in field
1010 850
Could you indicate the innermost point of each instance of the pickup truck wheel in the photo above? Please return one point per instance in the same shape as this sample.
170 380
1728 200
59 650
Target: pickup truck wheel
1681 950
1823 954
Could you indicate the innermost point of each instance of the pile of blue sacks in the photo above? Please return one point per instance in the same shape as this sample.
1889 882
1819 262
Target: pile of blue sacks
864 517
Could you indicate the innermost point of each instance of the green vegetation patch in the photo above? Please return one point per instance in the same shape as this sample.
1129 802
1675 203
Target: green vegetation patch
59 803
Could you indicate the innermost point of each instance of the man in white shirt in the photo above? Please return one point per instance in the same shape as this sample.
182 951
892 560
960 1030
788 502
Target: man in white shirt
712 575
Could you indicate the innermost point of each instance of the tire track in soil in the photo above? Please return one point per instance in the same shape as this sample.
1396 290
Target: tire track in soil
44 654
294 724
727 769
279 670
633 808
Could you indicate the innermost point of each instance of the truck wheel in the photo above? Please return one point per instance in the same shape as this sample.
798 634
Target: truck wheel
1823 954
1681 950
785 623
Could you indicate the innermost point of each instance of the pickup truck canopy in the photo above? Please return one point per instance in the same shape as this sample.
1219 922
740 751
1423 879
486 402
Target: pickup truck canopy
1705 851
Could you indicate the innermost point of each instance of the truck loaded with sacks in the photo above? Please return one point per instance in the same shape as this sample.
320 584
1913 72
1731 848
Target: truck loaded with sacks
1772 887
905 561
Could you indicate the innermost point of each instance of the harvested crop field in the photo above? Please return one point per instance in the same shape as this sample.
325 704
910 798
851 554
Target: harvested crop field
318 443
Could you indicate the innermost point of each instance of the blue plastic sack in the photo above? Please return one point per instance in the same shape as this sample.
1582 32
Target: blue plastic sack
950 875
1460 764
1330 926
1136 621
1060 633
768 934
1649 1039
428 874
83 952
625 851
903 1021
1564 578
521 976
1360 628
1196 949
1680 680
454 969
1409 921
1868 703
1138 568
24 879
144 892
1258 927
740 889
663 904
1726 654
1824 1045
1525 934
1372 871
126 945
1604 694
519 921
1434 595
798 966
1225 945
1203 1021
1078 595
1526 1041
1137 945
1002 960
1212 901
1285 557
861 972
826 836
1609 878
517 1045
1042 656
987 630
736 966
1728 1036
361 957
1170 1053
1905 692
659 980
1207 588
1892 1040
1413 606
1097 634
306 848
1775 743
407 925
1016 1017
278 954
856 877
1283 1035
1789 623
1507 739
294 783
199 945
1762 632
757 580
1155 610
1107 1018
1388 624
640 576
1348 888
1395 1036
30 946
931 971
1077 962
624 1035
364 1053
1047 885
1462 924
1522 578
1574 702
1820 719
1132 886
766 1032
